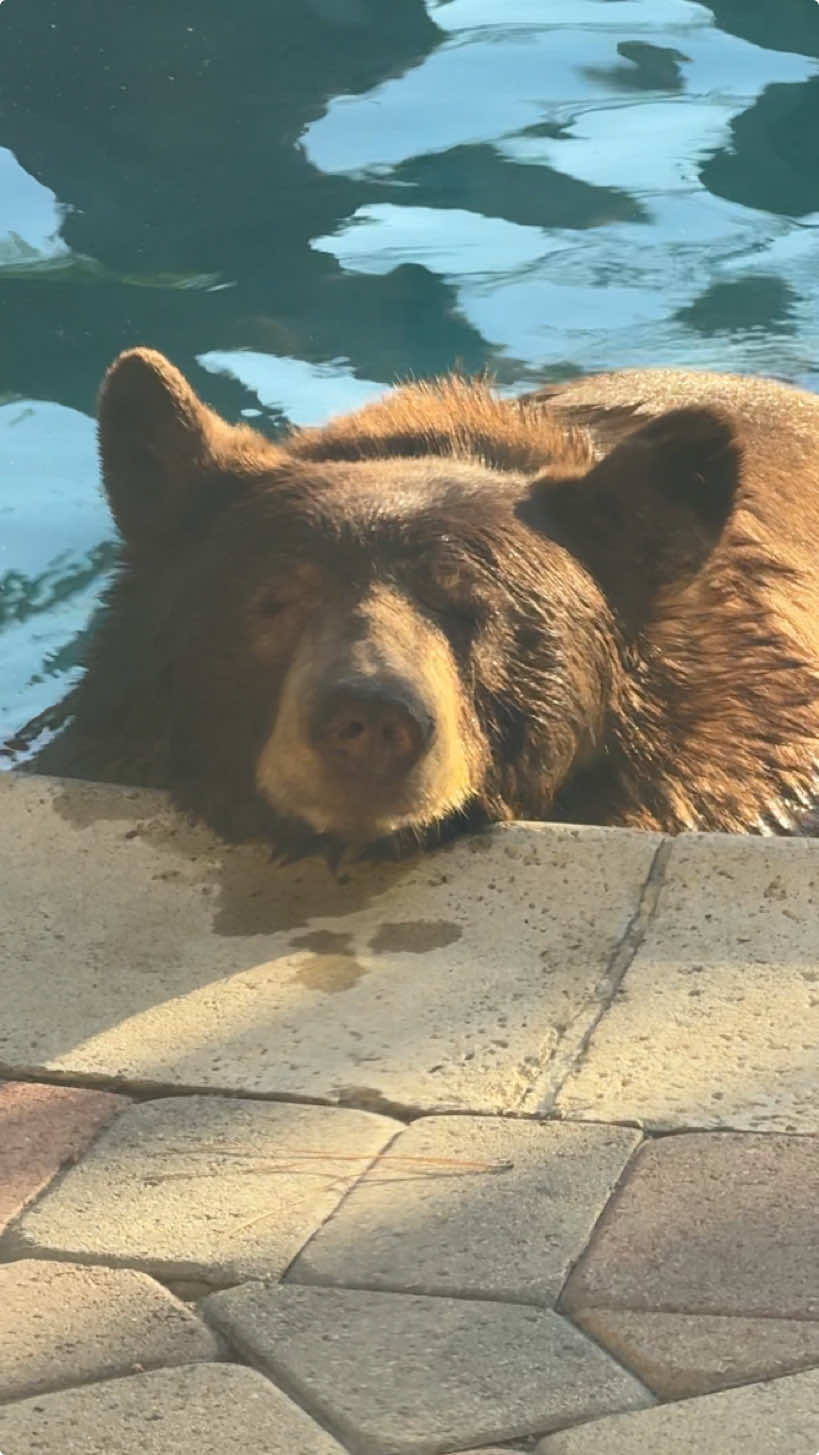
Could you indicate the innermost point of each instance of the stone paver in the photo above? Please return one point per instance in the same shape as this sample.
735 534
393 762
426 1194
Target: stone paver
397 1374
679 1355
463 982
205 1187
440 983
208 1409
41 1129
718 1020
720 1223
777 1418
63 1324
475 1206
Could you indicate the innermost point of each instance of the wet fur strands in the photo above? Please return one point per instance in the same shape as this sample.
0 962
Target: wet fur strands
599 603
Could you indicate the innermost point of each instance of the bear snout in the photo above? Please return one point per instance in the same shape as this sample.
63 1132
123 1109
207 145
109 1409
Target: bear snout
373 730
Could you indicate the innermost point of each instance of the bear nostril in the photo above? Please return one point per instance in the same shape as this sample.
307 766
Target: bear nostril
373 736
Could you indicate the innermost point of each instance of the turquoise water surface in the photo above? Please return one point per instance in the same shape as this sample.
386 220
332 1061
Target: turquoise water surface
302 202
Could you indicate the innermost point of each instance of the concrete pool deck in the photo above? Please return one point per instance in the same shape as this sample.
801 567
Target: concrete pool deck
514 1146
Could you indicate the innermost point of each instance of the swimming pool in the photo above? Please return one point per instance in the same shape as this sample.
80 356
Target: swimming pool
300 205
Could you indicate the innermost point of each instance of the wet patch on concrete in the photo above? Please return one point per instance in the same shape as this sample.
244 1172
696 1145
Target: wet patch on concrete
415 937
330 973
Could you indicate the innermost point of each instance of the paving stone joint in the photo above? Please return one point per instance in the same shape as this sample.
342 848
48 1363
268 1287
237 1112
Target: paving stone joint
488 1277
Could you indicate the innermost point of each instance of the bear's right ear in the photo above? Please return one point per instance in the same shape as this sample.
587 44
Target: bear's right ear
158 443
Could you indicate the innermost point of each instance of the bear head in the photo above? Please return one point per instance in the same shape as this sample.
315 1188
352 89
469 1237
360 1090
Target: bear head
416 617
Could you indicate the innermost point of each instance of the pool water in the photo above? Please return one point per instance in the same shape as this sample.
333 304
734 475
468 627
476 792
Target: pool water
301 203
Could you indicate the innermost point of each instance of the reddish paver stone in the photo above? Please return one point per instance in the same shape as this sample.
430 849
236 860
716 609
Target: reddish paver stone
680 1355
720 1223
64 1324
41 1129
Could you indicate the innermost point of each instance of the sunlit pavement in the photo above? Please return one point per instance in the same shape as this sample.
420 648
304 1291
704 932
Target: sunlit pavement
512 1146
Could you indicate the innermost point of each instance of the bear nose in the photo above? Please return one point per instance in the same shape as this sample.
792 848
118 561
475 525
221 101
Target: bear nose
370 732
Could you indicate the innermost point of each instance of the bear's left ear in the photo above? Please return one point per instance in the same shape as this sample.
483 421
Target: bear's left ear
161 448
647 516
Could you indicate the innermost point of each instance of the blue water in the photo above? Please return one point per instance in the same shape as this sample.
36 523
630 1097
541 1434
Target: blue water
300 203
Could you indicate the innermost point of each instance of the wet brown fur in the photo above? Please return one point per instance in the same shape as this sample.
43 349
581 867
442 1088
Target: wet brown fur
614 586
720 722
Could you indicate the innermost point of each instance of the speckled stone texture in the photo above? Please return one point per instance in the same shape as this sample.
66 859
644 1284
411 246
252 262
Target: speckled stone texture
210 1188
680 1355
204 1409
716 1024
393 1374
440 983
711 1223
780 1417
472 1206
43 1128
63 1324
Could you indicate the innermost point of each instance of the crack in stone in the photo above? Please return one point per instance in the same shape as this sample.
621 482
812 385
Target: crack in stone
573 1044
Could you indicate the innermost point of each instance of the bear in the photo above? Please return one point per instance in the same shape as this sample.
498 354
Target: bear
596 603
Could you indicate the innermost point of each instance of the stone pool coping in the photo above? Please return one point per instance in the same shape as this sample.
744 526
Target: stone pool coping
515 1142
